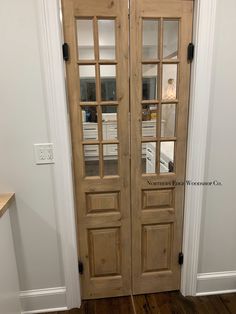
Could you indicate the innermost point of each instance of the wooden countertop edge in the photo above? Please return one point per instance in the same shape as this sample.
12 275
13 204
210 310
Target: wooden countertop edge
5 201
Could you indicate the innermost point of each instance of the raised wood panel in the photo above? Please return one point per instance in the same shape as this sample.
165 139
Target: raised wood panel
104 252
156 247
168 9
157 198
102 202
100 8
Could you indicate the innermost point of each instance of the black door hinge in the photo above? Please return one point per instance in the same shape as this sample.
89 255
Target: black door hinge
181 258
190 52
81 268
65 51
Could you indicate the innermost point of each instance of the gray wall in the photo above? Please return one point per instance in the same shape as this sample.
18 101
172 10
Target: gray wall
23 122
218 232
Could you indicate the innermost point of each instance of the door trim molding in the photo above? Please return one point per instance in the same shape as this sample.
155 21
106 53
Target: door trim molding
50 36
204 30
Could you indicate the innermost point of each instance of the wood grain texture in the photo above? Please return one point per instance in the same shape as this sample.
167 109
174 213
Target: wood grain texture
159 303
157 199
149 204
5 202
103 203
229 301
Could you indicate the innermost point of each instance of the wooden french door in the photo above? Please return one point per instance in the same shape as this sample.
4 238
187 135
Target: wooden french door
98 89
160 91
128 90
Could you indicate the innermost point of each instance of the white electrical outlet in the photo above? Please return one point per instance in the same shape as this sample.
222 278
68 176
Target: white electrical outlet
44 153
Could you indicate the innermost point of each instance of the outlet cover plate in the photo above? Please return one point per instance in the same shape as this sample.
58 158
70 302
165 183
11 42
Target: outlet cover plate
44 153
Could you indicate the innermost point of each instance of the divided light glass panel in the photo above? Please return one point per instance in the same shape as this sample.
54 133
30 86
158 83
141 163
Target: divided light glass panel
150 39
85 39
109 122
149 81
149 157
91 160
108 82
167 156
87 83
149 120
170 39
90 125
168 112
110 159
169 81
107 39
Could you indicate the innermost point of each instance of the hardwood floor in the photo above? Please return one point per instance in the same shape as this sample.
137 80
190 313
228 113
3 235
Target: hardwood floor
159 303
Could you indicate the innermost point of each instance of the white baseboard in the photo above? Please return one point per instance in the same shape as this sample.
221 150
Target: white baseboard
43 300
216 283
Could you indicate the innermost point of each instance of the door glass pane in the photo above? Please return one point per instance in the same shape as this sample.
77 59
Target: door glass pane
110 159
149 120
108 82
87 83
91 160
168 120
149 81
169 81
167 157
90 126
170 39
106 34
109 122
85 39
149 157
150 39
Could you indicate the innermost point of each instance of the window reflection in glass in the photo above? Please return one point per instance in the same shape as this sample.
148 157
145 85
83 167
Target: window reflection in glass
91 160
149 157
109 122
169 81
167 157
90 127
150 39
87 83
149 120
149 81
108 82
168 120
110 159
170 39
85 39
106 34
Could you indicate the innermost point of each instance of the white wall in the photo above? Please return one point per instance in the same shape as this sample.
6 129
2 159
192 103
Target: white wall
218 231
23 122
9 285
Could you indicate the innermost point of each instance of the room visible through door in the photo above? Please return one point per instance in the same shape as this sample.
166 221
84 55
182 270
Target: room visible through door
128 88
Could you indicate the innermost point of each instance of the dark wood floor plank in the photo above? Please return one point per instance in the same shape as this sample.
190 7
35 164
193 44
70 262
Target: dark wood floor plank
209 304
159 303
163 303
141 305
180 304
229 301
122 305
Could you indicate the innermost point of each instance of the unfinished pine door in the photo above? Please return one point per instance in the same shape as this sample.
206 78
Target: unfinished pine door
97 73
160 91
128 83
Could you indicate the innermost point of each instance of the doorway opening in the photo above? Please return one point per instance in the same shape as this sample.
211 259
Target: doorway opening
128 86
